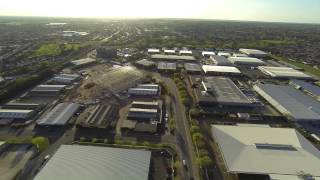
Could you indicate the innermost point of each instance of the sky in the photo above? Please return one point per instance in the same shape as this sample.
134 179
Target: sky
302 11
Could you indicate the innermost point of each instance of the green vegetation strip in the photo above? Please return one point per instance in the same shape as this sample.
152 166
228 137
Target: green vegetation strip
55 49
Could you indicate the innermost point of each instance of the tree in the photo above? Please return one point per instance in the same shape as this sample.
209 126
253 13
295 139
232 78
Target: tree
194 129
194 112
204 161
197 136
40 142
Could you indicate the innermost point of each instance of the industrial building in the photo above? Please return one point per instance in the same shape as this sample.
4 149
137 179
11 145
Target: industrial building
170 51
65 78
290 102
253 52
164 66
153 51
260 150
72 162
283 72
220 70
143 114
239 55
219 91
83 62
47 90
309 88
172 58
145 63
221 61
144 90
18 105
224 54
100 116
59 115
192 68
16 114
185 52
208 53
246 61
145 105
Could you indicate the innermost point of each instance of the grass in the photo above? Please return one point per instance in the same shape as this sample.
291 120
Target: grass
54 49
307 68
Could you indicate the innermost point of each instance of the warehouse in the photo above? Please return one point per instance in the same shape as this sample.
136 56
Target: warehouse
246 61
145 63
47 90
307 87
239 55
163 66
170 51
16 114
144 90
100 116
145 105
18 105
220 70
253 52
148 86
283 72
290 102
262 150
224 54
83 62
221 61
208 53
220 91
192 68
73 162
185 52
65 78
153 51
143 114
59 115
172 58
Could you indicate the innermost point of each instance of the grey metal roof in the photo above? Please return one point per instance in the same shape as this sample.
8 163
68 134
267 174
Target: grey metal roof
167 66
192 67
238 145
48 87
224 91
75 162
172 57
60 114
246 61
315 90
221 61
290 101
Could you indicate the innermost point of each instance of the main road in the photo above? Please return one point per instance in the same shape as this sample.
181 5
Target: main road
182 133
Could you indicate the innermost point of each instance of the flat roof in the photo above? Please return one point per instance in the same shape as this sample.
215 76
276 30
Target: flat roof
290 101
192 67
150 103
283 72
145 62
167 66
221 61
172 57
314 89
210 53
83 61
170 51
185 52
266 150
154 50
252 51
246 60
220 69
48 87
143 110
74 162
224 90
59 115
239 55
15 111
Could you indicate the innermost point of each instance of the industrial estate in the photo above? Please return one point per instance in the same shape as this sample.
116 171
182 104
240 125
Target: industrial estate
160 112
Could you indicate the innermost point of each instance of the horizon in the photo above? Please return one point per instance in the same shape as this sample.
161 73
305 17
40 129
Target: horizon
286 11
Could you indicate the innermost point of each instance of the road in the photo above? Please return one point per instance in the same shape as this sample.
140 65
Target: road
184 141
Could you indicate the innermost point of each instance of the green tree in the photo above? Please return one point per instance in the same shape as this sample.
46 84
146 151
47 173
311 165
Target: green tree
40 142
204 161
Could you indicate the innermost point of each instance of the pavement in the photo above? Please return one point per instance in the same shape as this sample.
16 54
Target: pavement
183 137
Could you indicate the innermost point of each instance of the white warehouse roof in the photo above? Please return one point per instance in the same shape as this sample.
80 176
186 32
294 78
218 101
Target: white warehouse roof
153 50
266 150
283 72
208 53
75 162
220 69
185 52
246 61
253 52
170 51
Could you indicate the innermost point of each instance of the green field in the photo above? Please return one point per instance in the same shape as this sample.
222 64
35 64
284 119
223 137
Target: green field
54 49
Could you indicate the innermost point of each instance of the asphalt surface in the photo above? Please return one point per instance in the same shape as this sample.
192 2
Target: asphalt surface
182 133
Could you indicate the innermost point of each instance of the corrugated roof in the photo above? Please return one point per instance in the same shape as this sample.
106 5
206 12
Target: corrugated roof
246 60
238 145
172 57
75 162
192 67
252 51
167 66
220 69
290 101
315 90
60 114
283 72
221 61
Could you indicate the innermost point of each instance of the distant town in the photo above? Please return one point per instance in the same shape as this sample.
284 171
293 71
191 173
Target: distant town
93 99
